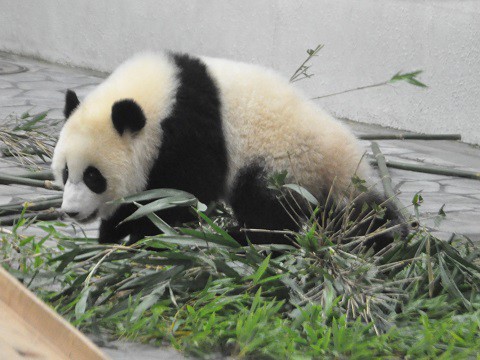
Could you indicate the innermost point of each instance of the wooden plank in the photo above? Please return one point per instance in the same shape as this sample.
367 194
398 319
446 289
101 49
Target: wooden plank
30 329
20 340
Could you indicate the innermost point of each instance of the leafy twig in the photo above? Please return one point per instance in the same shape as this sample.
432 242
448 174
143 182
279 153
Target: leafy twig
411 78
302 71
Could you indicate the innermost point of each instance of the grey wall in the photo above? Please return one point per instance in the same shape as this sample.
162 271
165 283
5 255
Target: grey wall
365 42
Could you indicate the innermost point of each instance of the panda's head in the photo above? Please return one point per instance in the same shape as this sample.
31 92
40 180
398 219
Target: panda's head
97 155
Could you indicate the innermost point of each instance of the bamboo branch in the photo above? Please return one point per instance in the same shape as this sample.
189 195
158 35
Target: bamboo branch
383 83
11 179
387 184
410 78
430 169
302 70
404 136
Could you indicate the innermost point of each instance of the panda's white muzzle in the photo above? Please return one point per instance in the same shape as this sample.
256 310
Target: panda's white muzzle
79 202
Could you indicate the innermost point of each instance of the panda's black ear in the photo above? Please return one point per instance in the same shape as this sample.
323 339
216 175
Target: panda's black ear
71 103
127 115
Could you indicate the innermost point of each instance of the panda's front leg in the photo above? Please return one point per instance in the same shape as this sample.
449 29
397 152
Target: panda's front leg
111 231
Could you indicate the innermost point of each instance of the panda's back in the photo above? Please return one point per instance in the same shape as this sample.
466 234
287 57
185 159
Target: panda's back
266 119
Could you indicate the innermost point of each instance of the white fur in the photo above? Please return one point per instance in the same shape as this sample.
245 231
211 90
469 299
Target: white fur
89 138
79 198
266 117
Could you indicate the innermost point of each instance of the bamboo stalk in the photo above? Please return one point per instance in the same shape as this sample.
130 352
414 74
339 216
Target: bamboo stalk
430 169
38 175
35 205
404 136
11 179
5 231
382 167
42 216
387 184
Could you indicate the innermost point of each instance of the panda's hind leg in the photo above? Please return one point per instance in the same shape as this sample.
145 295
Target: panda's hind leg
255 206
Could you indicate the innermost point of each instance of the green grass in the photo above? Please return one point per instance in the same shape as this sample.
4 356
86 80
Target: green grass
195 288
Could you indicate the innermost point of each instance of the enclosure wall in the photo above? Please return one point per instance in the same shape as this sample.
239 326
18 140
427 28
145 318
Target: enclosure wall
366 42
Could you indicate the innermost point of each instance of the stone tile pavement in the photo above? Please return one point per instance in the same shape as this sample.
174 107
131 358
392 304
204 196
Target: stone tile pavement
36 86
459 196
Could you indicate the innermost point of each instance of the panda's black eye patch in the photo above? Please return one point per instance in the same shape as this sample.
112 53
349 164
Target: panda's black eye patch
94 180
65 174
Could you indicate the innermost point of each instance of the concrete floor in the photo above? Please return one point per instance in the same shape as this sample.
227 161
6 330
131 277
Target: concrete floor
461 196
41 86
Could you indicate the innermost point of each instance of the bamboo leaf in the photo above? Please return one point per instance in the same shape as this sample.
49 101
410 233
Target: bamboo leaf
452 253
303 192
148 301
260 271
270 279
449 283
408 77
189 241
208 237
161 225
81 305
161 204
152 194
226 269
28 125
152 279
228 240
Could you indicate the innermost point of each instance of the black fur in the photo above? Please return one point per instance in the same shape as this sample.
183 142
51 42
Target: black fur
71 103
112 232
127 115
257 207
192 155
95 181
65 174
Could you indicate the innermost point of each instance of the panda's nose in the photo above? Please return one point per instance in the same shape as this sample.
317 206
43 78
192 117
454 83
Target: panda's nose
72 214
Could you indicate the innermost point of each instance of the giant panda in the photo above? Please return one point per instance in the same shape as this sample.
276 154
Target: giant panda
216 128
